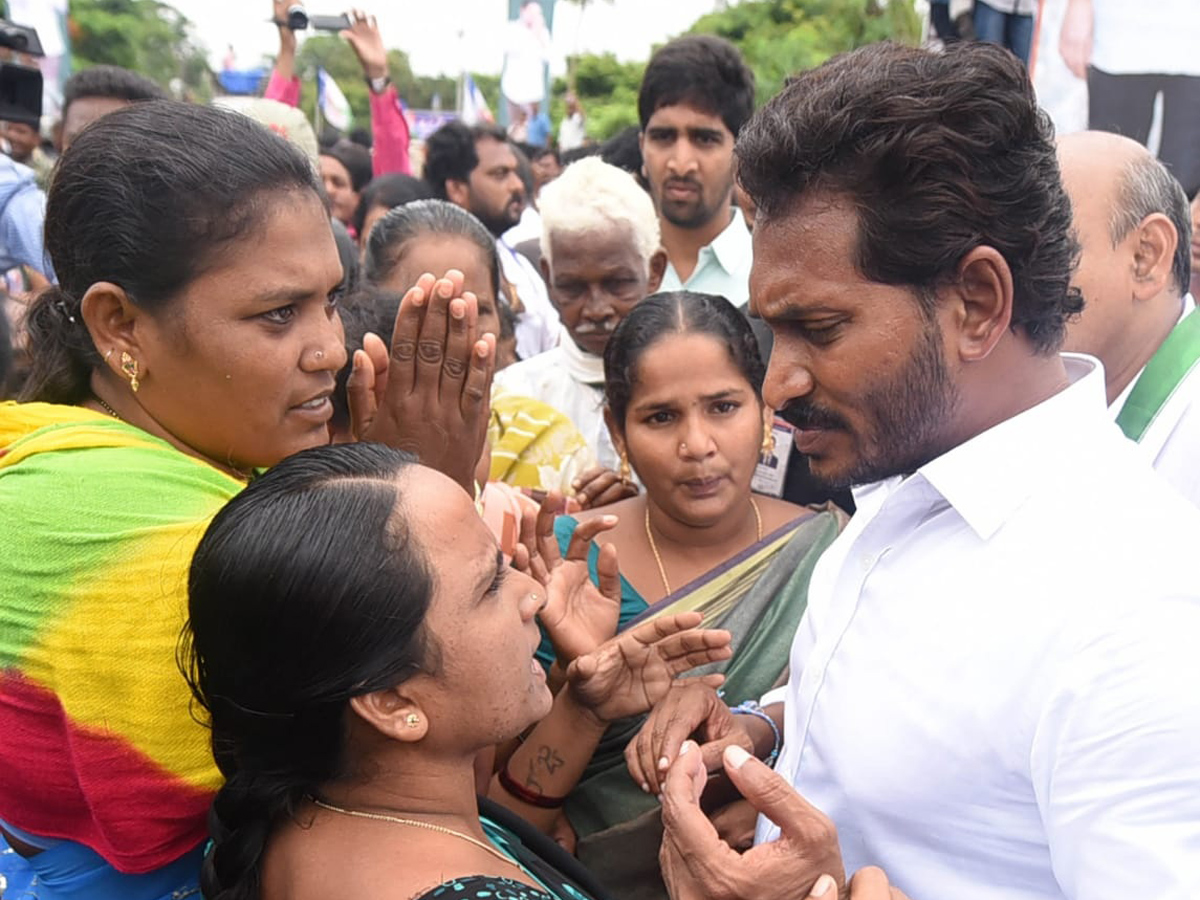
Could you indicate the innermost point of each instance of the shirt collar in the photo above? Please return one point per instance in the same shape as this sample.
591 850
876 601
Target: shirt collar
991 475
732 248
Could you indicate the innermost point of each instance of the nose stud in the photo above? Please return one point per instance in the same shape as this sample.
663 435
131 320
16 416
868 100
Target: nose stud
320 354
683 447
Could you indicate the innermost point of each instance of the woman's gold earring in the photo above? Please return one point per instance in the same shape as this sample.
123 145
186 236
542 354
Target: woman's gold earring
768 444
412 720
129 366
625 472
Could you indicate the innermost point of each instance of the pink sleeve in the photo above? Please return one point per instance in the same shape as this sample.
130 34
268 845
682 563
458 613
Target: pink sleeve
283 89
389 130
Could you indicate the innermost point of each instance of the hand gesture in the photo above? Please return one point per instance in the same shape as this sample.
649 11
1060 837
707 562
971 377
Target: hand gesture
429 395
577 616
628 674
364 38
1075 37
287 37
698 865
599 486
689 708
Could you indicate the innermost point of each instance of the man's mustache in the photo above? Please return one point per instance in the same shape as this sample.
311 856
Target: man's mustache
805 416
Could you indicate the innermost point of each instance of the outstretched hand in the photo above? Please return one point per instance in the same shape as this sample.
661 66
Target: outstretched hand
578 616
364 38
698 865
631 672
429 393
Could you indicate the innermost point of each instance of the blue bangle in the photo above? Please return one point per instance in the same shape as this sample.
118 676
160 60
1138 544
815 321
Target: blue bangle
751 708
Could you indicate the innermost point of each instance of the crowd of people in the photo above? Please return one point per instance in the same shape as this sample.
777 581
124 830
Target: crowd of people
791 502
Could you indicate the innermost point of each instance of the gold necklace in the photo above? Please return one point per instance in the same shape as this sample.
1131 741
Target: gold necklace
415 823
662 572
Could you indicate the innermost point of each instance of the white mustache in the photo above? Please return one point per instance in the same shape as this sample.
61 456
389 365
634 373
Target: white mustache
601 328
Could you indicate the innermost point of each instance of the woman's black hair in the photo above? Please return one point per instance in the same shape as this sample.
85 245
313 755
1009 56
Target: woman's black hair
305 591
675 312
146 198
355 159
391 190
391 235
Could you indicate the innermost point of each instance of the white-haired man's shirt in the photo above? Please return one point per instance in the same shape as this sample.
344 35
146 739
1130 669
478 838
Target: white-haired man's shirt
993 691
572 381
722 267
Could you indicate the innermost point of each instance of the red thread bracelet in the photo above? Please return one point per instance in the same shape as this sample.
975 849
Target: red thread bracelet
525 795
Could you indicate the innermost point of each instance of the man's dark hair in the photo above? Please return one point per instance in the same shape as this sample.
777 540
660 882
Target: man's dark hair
542 152
939 153
1148 187
450 153
109 82
701 71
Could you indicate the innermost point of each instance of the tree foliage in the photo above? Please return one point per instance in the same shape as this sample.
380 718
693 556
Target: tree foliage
777 37
147 36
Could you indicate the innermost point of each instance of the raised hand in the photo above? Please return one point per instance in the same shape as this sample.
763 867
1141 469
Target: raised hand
364 38
698 865
578 616
599 486
689 708
429 393
631 672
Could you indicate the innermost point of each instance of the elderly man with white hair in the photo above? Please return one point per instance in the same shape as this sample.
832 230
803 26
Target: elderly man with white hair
601 255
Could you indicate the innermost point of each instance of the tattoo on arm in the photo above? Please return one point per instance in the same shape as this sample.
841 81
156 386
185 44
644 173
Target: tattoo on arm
550 759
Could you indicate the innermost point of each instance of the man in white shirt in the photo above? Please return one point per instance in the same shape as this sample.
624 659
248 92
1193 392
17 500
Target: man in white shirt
992 692
696 93
475 168
1131 54
1134 225
600 257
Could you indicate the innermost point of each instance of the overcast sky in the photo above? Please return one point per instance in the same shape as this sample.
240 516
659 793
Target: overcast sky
444 36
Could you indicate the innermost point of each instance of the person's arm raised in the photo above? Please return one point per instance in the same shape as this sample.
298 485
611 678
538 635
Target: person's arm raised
283 85
623 677
428 394
389 128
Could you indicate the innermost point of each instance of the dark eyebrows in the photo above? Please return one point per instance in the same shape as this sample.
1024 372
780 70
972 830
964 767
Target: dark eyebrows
282 296
724 395
661 132
708 133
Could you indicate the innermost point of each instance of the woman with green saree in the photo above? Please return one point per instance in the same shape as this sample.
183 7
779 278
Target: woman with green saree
682 383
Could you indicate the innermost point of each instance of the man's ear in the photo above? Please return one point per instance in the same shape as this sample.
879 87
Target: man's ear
981 303
458 192
1155 240
393 713
658 268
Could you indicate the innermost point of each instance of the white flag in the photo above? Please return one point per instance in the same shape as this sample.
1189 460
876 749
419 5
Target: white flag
475 108
332 101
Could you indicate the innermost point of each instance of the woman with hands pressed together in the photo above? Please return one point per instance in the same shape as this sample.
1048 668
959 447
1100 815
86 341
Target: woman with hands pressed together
193 339
354 662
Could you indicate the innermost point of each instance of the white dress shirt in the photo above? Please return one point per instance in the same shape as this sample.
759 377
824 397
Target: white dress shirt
572 381
1172 442
993 691
722 267
537 327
